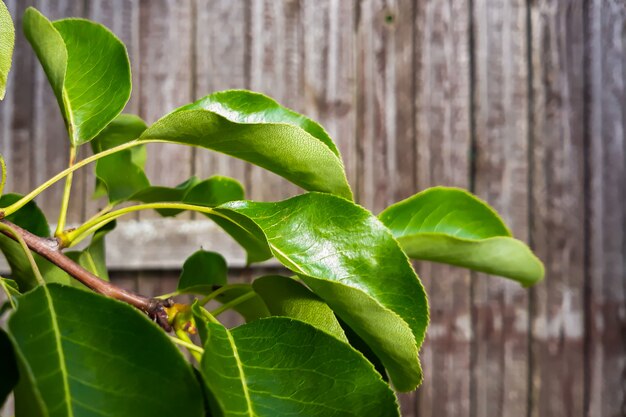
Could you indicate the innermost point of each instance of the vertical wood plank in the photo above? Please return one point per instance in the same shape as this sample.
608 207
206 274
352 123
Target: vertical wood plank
220 65
606 321
557 186
123 19
16 110
500 307
329 74
443 143
166 48
385 116
49 137
274 66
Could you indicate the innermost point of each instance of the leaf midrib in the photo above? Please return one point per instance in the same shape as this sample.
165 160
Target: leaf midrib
242 375
61 354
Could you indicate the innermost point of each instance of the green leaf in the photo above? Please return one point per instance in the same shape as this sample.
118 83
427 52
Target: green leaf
121 174
93 257
286 297
263 134
452 226
283 367
251 309
84 354
154 194
7 42
8 367
87 67
31 218
201 271
350 260
214 191
11 290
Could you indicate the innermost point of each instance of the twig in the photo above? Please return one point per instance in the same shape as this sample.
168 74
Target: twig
49 248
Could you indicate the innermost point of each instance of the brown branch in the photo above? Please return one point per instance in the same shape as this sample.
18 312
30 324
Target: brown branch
50 249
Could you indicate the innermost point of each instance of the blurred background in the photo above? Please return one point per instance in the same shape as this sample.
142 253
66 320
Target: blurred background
521 101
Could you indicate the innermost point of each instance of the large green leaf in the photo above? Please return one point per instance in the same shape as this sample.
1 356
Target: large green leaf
88 69
8 367
350 260
7 41
84 354
452 226
261 133
285 296
283 367
121 174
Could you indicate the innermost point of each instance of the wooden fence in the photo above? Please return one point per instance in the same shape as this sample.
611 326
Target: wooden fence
521 101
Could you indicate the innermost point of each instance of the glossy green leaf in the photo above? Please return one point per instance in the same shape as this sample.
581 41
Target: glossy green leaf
261 133
8 367
121 174
84 354
201 272
214 191
251 309
284 367
7 42
286 297
452 226
93 257
87 67
350 260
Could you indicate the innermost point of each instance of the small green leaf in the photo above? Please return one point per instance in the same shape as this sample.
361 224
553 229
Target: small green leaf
350 260
11 290
261 133
87 67
452 226
84 354
93 257
154 194
7 42
214 191
283 367
201 271
8 367
121 174
286 297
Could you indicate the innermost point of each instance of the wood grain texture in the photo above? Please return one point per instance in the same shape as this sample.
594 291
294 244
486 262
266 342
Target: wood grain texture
329 74
165 61
274 67
385 108
219 65
500 307
443 127
606 279
558 214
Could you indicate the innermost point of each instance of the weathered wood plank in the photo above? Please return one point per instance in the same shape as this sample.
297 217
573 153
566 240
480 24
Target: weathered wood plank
329 74
606 321
558 214
443 142
385 113
274 67
500 307
166 57
219 65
